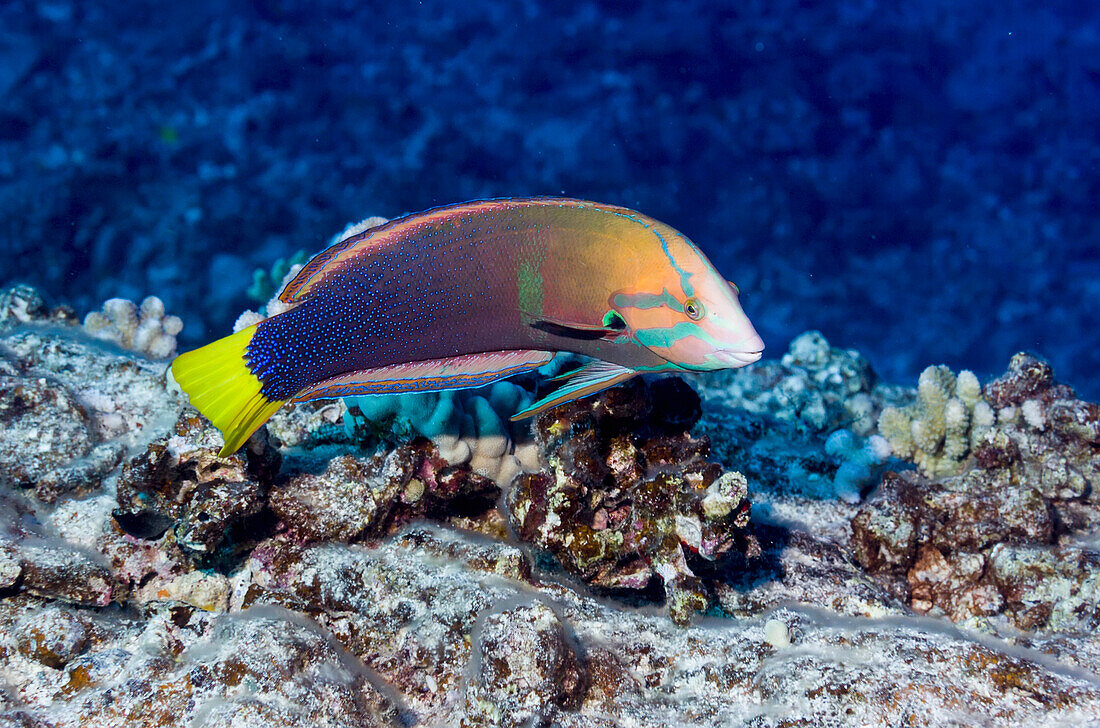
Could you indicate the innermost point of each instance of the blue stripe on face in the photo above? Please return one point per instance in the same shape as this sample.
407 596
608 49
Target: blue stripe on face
645 301
667 337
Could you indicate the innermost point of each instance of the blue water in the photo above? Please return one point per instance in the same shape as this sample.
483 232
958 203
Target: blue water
917 180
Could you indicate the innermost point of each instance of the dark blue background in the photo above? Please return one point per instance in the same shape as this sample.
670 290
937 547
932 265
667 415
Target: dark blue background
917 180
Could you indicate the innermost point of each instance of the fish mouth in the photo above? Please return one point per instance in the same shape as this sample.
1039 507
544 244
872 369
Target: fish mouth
739 358
748 351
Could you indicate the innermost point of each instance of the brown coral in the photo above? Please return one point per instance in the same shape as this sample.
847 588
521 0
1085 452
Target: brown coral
629 498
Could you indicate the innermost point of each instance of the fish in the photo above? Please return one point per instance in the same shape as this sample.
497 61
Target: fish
467 294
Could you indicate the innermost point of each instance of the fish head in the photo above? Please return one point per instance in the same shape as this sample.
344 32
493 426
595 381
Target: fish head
689 315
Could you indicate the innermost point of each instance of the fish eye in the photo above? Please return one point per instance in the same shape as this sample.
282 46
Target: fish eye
694 309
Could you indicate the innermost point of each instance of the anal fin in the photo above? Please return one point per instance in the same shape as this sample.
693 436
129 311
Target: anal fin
431 375
589 379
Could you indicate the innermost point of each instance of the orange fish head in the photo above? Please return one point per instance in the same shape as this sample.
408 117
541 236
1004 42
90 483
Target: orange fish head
691 318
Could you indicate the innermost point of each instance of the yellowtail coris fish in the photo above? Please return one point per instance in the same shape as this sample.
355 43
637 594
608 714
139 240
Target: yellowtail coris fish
465 295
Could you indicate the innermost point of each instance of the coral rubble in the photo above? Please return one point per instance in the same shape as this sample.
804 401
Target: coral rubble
629 497
306 581
355 498
180 482
70 410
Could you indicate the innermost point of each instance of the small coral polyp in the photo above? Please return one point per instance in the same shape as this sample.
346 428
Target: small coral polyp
143 329
940 429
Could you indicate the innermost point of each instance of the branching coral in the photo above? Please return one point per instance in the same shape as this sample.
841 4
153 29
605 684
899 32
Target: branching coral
941 428
145 330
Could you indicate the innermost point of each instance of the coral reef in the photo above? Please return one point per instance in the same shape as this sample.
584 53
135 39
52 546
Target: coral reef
947 421
526 669
997 538
629 497
469 426
143 329
266 666
297 584
69 409
814 387
22 304
475 627
51 636
804 567
181 483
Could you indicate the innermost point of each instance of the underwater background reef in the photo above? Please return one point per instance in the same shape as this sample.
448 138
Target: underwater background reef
918 182
892 519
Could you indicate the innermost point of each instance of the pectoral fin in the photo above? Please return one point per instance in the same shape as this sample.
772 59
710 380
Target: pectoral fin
594 377
458 372
611 327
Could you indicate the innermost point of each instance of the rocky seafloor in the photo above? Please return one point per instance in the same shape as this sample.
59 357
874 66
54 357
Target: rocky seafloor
792 544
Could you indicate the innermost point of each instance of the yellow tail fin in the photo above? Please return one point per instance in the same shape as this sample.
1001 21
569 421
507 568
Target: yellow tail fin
221 387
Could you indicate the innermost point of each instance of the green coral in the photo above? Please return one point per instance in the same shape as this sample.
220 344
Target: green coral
948 419
265 283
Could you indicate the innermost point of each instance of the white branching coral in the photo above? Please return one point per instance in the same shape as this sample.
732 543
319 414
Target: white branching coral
947 421
467 425
143 329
